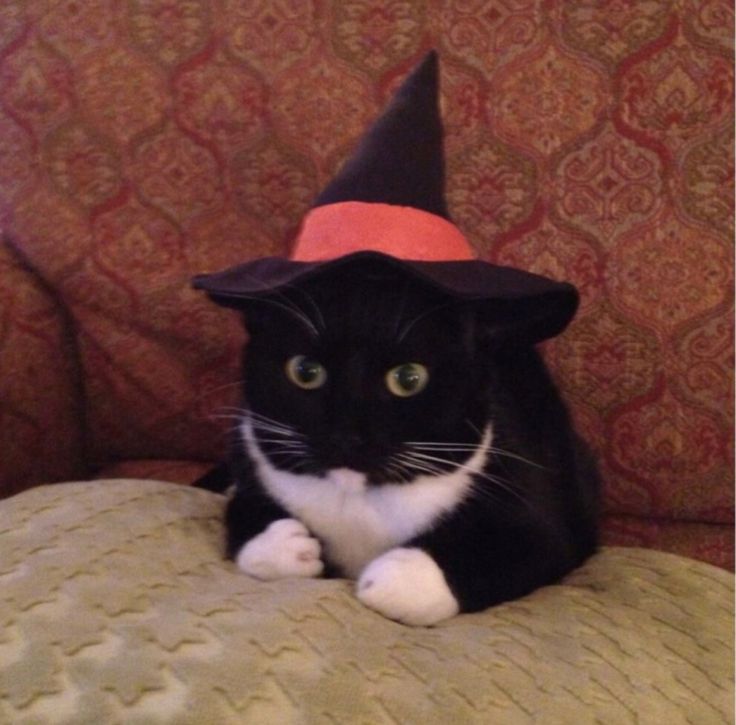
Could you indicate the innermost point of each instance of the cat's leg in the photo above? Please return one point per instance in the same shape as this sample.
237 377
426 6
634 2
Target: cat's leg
407 585
462 567
267 543
285 549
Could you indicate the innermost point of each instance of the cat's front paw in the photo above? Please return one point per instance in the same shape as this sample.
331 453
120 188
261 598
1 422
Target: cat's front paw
284 549
408 586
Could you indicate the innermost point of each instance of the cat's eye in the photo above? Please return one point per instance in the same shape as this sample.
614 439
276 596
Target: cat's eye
407 379
305 372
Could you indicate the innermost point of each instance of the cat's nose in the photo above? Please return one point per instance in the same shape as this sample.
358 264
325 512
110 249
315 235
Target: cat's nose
344 442
345 450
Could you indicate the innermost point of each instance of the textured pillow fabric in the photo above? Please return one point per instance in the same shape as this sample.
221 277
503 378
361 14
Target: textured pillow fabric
116 606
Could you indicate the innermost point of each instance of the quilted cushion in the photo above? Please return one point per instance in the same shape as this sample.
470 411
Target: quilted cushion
116 606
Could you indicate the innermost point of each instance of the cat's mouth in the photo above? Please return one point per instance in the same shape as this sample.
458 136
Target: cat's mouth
354 470
350 461
347 479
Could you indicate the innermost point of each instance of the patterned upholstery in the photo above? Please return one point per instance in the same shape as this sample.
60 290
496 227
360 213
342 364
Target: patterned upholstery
146 141
116 607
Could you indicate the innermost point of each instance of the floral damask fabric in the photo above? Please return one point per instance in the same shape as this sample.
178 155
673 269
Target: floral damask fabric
146 141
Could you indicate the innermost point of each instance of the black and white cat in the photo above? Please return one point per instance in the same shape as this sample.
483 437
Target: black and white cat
392 435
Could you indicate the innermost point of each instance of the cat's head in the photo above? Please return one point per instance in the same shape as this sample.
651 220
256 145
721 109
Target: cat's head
359 371
354 363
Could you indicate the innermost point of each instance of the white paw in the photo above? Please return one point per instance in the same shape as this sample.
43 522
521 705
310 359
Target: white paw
284 549
407 585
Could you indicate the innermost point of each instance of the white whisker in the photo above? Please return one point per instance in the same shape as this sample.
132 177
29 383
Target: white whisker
265 424
408 460
436 459
287 304
517 457
431 446
318 312
396 469
224 416
224 386
445 448
288 445
407 327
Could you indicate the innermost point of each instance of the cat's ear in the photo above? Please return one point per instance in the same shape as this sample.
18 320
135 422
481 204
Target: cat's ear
274 315
526 321
256 314
255 319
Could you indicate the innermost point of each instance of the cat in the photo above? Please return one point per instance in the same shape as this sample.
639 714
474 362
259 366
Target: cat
394 436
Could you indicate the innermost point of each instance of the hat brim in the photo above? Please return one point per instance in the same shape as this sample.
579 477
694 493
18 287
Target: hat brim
534 306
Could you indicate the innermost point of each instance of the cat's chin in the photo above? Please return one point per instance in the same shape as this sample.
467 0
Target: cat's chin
347 479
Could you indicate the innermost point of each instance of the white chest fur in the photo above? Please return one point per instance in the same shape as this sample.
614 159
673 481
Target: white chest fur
356 522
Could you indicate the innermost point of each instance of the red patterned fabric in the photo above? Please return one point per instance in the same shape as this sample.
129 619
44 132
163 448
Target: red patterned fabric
146 141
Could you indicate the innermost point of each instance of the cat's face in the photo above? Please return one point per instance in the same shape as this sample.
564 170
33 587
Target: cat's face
374 374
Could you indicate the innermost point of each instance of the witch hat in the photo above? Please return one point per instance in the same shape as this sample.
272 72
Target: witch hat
386 206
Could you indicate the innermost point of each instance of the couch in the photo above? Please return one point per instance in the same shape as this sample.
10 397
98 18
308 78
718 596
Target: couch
142 143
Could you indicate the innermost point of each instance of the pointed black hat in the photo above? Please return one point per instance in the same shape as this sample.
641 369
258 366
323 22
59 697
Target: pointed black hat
400 160
386 206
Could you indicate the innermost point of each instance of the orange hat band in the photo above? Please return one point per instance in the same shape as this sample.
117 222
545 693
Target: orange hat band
334 230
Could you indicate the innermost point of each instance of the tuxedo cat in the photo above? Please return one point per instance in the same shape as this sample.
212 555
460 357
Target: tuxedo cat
395 436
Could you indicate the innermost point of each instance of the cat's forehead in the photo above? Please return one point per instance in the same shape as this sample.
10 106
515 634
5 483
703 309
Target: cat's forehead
378 289
380 305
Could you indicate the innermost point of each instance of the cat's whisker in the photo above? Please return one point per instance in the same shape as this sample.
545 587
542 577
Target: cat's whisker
501 483
285 452
287 445
233 414
287 304
445 449
422 469
260 416
295 437
418 459
508 454
289 451
400 310
500 486
269 425
289 307
265 419
283 441
395 470
234 428
492 493
219 388
474 427
463 447
439 444
320 322
309 298
412 456
409 325
408 460
263 425
316 326
224 416
437 459
401 473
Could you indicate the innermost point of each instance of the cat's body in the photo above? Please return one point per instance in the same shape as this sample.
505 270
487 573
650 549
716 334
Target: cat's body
399 438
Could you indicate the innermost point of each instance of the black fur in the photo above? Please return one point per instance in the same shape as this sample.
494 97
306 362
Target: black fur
530 519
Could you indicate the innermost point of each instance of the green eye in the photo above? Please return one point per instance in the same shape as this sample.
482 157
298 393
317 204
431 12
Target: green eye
305 372
407 379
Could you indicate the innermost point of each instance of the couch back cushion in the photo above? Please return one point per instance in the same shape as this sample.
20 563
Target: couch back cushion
143 143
